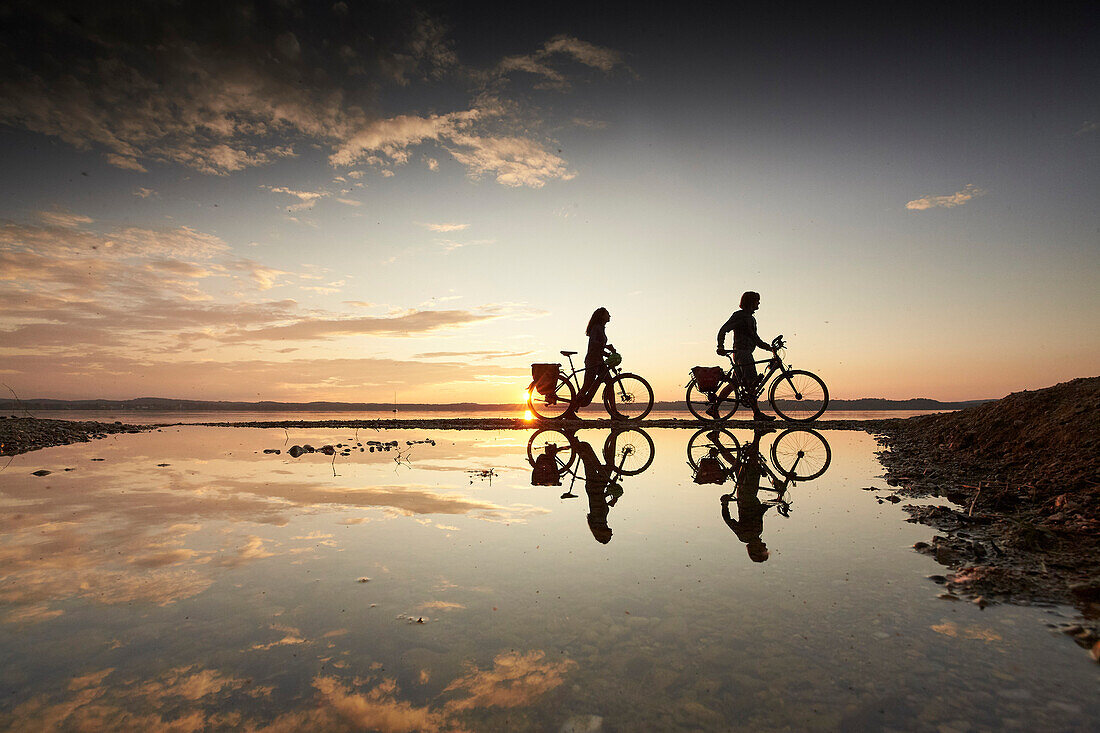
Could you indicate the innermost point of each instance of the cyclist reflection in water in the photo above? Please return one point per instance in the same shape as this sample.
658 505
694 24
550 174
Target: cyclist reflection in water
745 341
595 370
749 524
603 493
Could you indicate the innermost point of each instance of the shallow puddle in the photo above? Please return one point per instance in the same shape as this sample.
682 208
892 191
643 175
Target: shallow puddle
483 581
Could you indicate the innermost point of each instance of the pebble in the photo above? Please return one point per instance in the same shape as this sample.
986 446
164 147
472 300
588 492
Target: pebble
582 724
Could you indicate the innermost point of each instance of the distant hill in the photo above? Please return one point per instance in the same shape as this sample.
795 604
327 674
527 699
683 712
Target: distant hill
160 404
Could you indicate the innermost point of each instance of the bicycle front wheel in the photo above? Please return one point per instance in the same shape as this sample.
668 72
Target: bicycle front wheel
628 397
544 437
798 396
554 405
699 402
801 454
629 451
713 442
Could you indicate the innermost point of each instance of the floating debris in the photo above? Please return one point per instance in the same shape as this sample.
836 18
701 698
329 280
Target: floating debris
42 472
363 580
274 451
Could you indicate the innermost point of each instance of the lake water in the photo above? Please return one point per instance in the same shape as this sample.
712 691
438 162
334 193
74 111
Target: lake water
147 417
183 579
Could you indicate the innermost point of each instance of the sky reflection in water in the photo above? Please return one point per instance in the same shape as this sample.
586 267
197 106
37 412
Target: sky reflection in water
232 588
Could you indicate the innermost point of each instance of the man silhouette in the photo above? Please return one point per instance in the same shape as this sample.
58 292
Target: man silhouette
749 524
745 341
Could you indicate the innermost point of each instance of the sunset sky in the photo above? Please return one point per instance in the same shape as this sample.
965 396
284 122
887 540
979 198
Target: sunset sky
344 201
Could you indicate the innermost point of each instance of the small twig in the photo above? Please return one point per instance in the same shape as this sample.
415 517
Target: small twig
287 436
18 402
9 462
974 501
334 465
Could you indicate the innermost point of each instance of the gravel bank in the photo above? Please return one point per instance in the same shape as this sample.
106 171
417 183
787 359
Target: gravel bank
24 434
1021 477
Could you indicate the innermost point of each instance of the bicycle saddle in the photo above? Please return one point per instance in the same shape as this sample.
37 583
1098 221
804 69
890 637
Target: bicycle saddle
568 353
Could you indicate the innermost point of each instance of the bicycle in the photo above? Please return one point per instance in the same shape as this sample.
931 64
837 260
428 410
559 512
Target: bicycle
630 450
799 454
795 395
626 452
626 396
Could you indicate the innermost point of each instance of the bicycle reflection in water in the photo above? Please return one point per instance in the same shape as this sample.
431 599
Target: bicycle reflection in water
715 455
555 453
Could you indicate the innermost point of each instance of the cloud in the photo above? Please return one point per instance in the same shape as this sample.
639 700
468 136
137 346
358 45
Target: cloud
540 63
306 199
947 201
214 88
444 227
86 369
478 354
1087 127
350 202
63 219
515 161
144 193
226 88
406 324
391 137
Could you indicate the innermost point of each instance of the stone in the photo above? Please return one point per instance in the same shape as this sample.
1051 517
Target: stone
582 724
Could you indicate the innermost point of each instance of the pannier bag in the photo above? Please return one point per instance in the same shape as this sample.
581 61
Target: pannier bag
545 377
710 471
707 379
545 472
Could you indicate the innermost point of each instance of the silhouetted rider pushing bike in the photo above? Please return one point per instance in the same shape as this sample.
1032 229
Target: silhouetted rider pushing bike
745 341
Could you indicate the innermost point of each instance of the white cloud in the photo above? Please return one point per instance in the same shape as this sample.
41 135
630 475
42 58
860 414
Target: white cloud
515 161
946 201
63 219
350 202
1087 127
306 199
444 227
144 193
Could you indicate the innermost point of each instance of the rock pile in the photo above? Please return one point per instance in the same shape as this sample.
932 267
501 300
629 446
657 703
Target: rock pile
23 434
1024 475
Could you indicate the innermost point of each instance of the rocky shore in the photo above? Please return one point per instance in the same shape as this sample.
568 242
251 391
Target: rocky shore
1021 479
24 434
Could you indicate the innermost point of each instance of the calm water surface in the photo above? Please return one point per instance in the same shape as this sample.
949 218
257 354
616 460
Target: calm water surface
146 417
433 587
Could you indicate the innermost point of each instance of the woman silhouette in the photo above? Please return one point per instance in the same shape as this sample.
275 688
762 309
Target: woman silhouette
595 370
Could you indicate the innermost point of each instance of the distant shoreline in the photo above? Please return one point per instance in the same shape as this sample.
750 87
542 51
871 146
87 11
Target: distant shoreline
159 404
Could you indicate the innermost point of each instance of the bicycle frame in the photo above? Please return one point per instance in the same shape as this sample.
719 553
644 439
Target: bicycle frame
778 485
775 366
577 382
575 471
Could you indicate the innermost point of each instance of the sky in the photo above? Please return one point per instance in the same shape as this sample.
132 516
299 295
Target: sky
357 201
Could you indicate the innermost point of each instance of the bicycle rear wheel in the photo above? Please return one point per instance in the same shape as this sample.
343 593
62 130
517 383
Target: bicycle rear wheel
798 396
709 441
540 439
801 454
628 397
552 406
698 403
630 451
